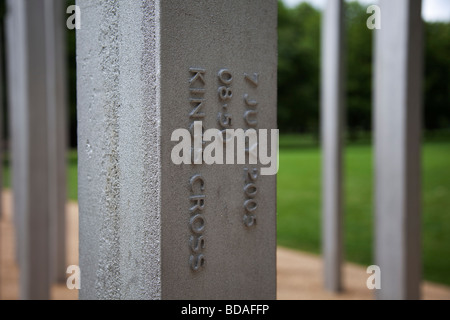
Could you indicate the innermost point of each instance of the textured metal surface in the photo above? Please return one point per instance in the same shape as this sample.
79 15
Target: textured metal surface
134 61
118 141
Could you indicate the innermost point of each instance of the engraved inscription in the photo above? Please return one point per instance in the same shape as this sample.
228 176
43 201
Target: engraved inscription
197 223
250 190
252 79
197 199
225 92
251 175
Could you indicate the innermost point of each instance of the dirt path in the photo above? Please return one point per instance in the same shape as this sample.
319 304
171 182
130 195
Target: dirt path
299 275
9 273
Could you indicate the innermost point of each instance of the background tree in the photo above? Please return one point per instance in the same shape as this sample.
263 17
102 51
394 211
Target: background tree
359 70
298 68
437 76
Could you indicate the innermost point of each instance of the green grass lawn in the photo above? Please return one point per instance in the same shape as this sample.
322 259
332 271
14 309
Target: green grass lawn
299 203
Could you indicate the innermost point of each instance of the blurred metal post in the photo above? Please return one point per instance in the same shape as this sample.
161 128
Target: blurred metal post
332 110
30 150
397 115
13 69
2 95
57 135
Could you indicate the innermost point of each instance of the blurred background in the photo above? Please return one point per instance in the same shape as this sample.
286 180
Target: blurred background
299 188
298 118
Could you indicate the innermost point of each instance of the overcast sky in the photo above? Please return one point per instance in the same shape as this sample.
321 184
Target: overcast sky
433 10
